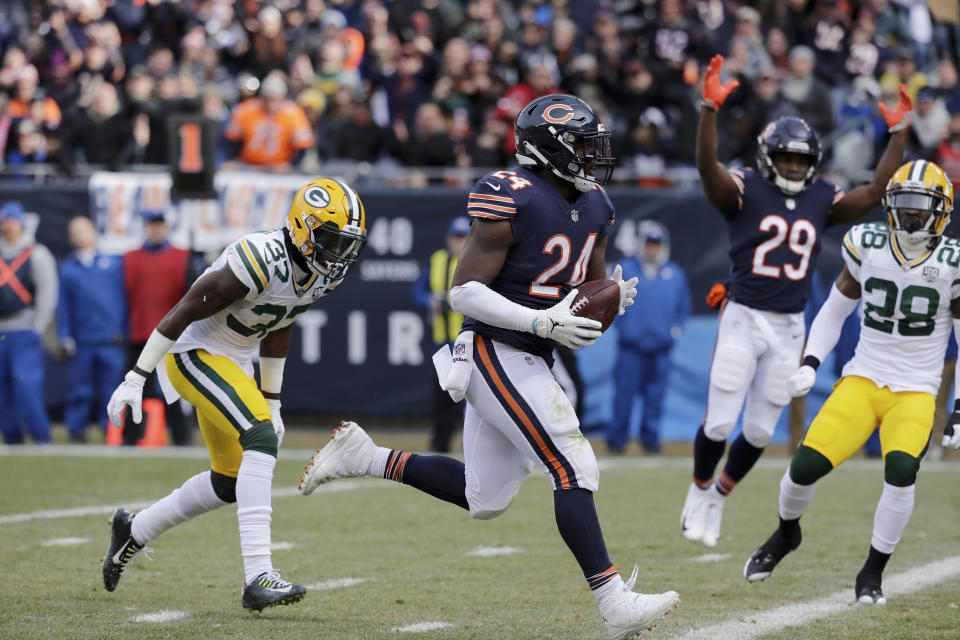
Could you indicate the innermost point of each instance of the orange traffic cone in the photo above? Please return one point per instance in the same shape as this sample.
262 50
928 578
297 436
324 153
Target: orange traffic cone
154 432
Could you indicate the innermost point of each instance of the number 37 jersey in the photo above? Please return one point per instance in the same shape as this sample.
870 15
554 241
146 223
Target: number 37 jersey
906 319
260 261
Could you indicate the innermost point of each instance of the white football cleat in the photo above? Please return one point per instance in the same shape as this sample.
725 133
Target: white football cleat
347 455
627 614
693 517
713 517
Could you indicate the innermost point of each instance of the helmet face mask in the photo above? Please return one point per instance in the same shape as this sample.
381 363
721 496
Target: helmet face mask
564 134
918 201
327 226
788 135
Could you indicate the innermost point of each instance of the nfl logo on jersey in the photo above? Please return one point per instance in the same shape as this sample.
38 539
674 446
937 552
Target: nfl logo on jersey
459 349
930 273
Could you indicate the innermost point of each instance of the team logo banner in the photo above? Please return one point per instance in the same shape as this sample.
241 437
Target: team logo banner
245 202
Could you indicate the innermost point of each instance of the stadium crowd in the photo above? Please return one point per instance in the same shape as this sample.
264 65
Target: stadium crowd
437 83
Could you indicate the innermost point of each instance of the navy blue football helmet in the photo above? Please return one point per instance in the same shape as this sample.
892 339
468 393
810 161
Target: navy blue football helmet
788 135
564 134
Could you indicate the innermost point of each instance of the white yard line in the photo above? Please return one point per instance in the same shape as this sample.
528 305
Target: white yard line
712 557
750 625
63 542
161 616
337 583
345 485
420 627
489 552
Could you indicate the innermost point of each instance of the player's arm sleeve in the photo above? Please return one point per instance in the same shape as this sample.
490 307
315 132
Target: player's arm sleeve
482 303
826 327
852 252
738 177
247 264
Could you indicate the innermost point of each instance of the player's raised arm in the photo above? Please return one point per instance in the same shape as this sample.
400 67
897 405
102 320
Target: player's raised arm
718 186
860 201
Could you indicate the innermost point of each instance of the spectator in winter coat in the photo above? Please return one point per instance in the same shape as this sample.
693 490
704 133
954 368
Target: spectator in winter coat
646 338
92 327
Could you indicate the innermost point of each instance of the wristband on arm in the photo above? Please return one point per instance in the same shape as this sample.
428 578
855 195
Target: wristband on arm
153 351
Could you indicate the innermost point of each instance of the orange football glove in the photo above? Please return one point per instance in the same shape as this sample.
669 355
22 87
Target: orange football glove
715 93
898 119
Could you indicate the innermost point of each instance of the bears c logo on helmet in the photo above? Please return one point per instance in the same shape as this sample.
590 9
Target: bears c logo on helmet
567 113
317 197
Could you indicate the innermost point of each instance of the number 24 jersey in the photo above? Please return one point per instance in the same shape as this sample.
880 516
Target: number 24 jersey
906 319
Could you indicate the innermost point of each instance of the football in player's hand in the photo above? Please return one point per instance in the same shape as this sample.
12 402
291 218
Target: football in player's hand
598 300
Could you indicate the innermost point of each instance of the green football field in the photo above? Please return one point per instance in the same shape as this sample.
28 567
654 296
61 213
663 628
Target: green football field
384 561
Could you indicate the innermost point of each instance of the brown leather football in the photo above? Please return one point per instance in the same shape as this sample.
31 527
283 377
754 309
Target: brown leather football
598 300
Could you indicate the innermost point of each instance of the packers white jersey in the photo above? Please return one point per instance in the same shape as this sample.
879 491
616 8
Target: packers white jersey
260 261
906 319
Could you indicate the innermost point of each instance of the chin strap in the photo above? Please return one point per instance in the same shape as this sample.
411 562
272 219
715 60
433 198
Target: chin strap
912 247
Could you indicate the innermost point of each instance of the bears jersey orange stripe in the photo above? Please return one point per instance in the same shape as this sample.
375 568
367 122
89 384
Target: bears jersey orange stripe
518 412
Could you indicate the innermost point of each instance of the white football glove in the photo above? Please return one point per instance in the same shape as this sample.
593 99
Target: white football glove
951 431
558 323
275 418
130 392
628 289
800 383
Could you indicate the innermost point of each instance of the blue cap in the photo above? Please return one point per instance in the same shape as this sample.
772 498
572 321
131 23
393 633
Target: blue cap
12 209
654 235
152 215
459 226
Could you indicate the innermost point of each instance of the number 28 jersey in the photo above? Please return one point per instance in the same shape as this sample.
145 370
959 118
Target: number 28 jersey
775 241
906 319
260 261
553 240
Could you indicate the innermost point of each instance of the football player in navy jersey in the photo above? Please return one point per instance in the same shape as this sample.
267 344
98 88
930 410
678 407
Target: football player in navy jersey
538 231
776 216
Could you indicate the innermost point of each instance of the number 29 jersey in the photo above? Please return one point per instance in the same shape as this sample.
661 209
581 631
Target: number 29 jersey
906 319
775 241
553 240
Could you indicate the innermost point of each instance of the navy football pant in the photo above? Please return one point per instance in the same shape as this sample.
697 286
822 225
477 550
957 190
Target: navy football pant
644 374
21 387
93 372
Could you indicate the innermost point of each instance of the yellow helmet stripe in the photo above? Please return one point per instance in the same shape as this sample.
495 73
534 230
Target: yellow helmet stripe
253 261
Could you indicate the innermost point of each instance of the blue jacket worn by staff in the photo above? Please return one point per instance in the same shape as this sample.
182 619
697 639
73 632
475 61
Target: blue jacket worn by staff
646 336
92 319
28 297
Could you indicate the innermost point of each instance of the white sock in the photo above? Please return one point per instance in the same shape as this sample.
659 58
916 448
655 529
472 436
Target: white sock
254 481
194 497
613 586
794 498
378 465
893 513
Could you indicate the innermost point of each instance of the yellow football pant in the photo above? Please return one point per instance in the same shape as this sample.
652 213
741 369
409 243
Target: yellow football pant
227 400
853 410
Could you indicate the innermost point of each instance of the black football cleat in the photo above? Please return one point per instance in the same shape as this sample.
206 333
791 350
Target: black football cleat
122 550
763 561
269 589
868 589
